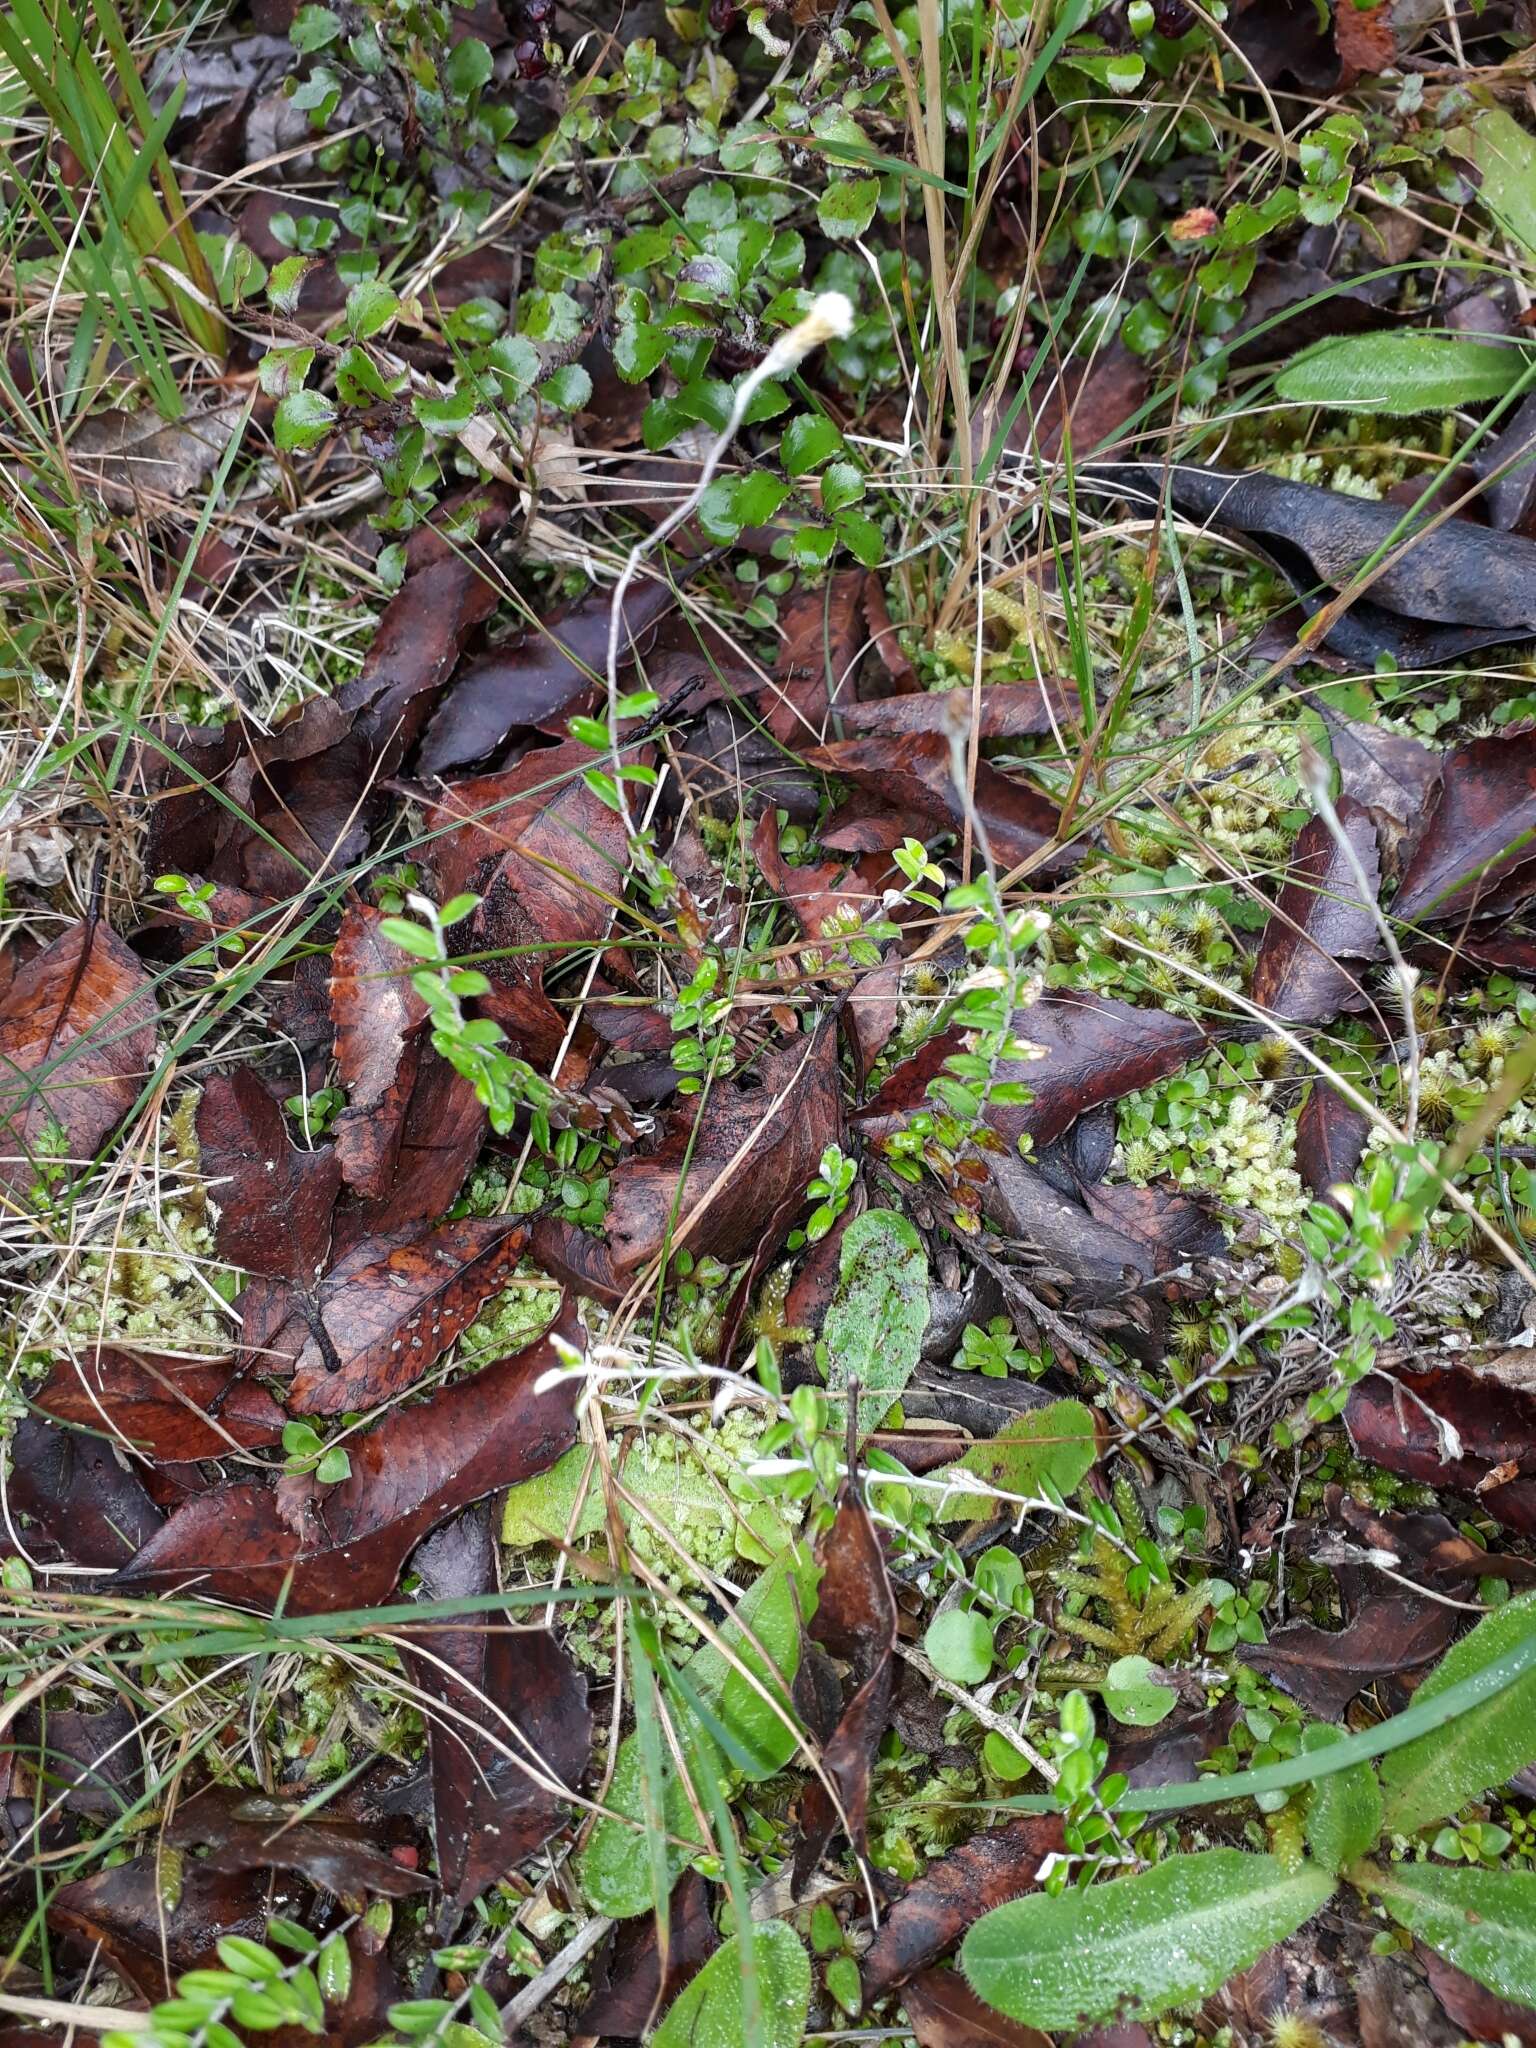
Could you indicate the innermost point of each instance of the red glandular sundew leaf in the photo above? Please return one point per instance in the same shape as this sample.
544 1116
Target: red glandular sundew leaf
856 1623
391 1311
933 1913
274 1202
1478 851
512 1720
523 682
914 772
74 1497
248 1831
377 1014
735 1159
1320 932
77 1044
1393 1423
342 1546
171 1409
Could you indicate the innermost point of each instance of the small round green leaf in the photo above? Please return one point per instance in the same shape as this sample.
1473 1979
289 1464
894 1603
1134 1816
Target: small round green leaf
959 1645
1134 1697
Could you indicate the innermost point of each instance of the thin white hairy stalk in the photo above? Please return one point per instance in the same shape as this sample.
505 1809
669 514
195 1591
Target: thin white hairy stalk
830 319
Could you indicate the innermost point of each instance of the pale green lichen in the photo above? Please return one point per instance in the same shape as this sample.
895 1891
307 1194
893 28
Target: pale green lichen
1215 1127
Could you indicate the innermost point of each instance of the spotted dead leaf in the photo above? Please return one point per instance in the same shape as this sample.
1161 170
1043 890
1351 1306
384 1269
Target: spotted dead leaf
77 1044
274 1201
377 1014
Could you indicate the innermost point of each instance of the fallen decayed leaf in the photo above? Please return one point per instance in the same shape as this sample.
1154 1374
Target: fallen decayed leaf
855 1622
134 458
914 771
1475 2009
944 2012
824 631
1459 586
78 1501
172 1409
1319 923
77 1044
377 1013
1326 1668
1330 1139
440 1140
390 1311
925 1923
750 1148
122 1910
275 1203
247 1831
507 1700
1478 852
1394 1421
344 1545
524 682
1001 711
630 1985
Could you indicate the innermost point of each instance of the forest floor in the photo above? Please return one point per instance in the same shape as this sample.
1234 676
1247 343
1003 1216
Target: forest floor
768 1023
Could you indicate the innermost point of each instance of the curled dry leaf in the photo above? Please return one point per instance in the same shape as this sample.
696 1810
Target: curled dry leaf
440 1140
914 772
1330 1140
76 1500
1451 1427
855 1622
1478 852
377 1014
171 1409
275 1203
248 1831
1456 587
1479 2014
1325 1668
1320 922
136 459
122 1913
633 1982
391 1311
944 2012
343 1548
1096 1050
77 1045
524 682
824 632
933 1913
511 1716
1007 711
727 1165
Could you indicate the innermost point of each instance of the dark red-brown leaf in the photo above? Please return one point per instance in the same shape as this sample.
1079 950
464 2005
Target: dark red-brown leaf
724 1180
77 1044
994 1866
511 1717
824 631
1330 1139
525 681
1319 924
391 1311
172 1409
123 1912
344 1545
76 1499
1394 777
856 1623
1326 1668
630 1986
247 1831
1096 1051
440 1140
1393 1423
1473 2007
914 772
274 1202
944 2012
1478 853
377 1014
1008 710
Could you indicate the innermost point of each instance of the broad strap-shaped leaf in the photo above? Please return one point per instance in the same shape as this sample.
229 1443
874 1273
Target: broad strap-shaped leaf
1400 373
1344 1809
1435 1775
1483 1921
715 2010
1171 1935
874 1327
